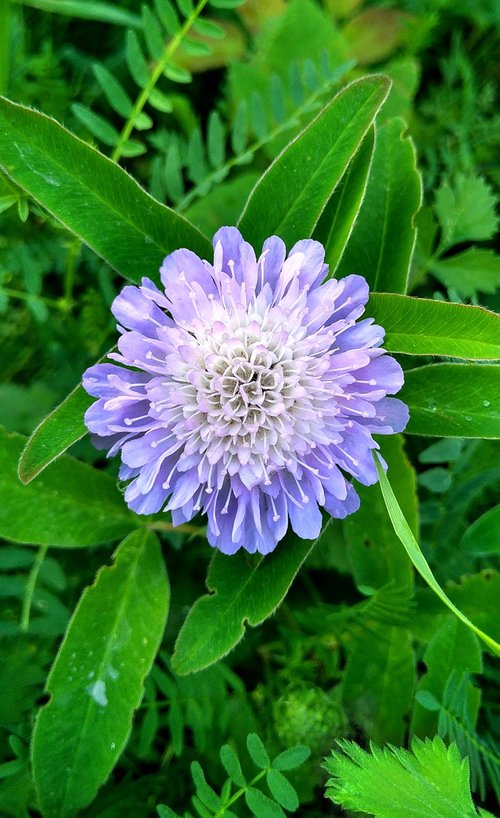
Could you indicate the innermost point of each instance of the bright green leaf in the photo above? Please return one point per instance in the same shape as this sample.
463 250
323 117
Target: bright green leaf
136 60
453 400
420 326
113 90
341 212
87 10
413 550
97 125
291 195
429 780
73 505
381 244
90 195
63 427
243 589
97 679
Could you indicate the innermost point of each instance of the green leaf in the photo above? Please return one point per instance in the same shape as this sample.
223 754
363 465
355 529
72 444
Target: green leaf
204 791
177 73
261 805
291 758
63 427
98 676
282 790
90 195
136 60
215 140
420 326
483 536
413 550
257 751
243 589
373 550
379 681
466 210
431 780
168 16
291 195
7 201
75 505
381 244
453 400
113 90
341 212
153 33
87 10
470 272
208 28
97 125
453 647
231 764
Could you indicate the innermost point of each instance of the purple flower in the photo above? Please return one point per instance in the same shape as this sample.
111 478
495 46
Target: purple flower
246 390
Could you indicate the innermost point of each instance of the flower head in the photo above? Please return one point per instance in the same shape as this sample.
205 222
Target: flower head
246 390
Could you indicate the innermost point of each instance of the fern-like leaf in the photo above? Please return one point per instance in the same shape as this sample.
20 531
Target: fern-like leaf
431 780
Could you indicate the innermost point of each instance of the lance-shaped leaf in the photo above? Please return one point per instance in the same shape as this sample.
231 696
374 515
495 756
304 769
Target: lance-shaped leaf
55 434
92 196
453 400
405 535
73 505
291 195
340 214
381 244
98 677
420 326
243 590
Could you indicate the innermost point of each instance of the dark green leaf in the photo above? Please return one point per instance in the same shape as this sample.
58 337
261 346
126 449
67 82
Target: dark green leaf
420 326
257 751
381 244
136 60
282 790
97 679
243 590
483 536
75 505
63 427
113 90
97 125
91 195
469 272
291 758
291 195
261 806
204 791
239 133
453 400
231 764
216 138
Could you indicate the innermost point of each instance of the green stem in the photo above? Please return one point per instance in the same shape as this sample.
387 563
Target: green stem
143 97
239 793
252 149
5 28
30 587
51 302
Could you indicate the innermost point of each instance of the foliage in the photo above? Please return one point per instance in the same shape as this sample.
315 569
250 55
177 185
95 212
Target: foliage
129 130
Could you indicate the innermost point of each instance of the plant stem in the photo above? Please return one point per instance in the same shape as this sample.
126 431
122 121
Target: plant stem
143 97
51 302
30 587
220 812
